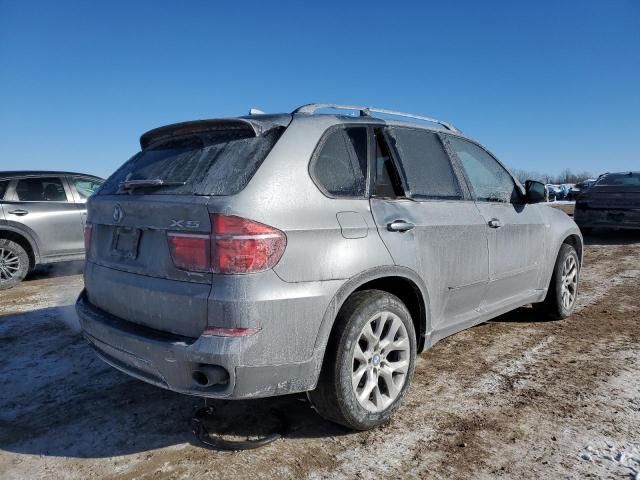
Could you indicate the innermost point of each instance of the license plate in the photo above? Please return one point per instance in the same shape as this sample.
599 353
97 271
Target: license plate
125 242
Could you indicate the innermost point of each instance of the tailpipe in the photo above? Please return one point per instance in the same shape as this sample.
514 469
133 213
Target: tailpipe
210 375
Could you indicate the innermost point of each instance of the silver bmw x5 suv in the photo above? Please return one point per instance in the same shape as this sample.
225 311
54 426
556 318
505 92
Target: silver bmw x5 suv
318 252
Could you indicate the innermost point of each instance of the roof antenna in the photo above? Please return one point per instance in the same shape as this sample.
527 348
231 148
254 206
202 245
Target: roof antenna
255 111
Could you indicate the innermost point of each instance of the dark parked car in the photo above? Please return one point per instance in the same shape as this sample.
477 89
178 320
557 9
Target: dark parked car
612 202
273 254
42 218
579 188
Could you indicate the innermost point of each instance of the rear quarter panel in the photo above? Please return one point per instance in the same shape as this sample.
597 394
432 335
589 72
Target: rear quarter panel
283 195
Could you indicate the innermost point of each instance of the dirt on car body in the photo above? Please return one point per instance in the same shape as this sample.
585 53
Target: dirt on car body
514 397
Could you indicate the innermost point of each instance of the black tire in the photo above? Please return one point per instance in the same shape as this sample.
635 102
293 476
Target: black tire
14 264
553 306
335 398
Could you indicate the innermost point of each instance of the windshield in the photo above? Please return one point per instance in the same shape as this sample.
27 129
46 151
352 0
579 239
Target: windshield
218 162
620 179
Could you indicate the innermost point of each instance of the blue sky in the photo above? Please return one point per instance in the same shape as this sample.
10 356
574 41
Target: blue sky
545 85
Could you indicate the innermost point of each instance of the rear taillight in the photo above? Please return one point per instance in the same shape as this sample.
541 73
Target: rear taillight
190 251
235 245
244 246
88 228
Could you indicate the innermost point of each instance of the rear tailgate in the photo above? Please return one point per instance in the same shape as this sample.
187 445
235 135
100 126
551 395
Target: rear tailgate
130 273
165 188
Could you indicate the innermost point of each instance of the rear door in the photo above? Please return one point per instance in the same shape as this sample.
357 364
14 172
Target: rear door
516 231
429 223
45 206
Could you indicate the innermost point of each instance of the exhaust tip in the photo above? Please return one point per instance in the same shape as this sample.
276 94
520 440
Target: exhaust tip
200 378
210 376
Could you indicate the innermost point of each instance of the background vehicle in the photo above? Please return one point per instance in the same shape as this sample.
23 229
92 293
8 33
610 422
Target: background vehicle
580 187
42 217
612 202
272 254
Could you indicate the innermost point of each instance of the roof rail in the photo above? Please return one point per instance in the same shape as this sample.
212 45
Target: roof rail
366 111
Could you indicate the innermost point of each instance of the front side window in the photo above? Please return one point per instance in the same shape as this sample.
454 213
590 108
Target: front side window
489 180
3 188
340 166
426 165
86 186
48 189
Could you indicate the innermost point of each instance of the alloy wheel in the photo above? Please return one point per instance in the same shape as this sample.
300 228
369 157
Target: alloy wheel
569 279
380 362
9 264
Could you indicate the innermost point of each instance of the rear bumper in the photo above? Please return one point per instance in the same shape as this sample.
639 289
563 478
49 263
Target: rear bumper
607 218
260 365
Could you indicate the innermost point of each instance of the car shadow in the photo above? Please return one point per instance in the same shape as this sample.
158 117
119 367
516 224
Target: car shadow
58 399
526 314
612 237
54 270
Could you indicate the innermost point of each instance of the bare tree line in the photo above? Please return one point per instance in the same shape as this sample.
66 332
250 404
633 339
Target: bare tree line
566 176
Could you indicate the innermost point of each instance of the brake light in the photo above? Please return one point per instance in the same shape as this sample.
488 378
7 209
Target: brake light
190 251
88 229
244 246
235 245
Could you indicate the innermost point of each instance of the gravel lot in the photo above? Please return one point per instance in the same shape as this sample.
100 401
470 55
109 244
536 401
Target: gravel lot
516 397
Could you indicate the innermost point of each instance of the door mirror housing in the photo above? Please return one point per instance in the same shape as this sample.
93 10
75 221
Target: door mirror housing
535 191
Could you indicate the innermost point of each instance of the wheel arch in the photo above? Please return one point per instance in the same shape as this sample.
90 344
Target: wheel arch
576 242
405 283
571 237
24 240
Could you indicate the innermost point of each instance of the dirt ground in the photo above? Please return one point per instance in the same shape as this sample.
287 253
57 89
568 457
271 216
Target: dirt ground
516 397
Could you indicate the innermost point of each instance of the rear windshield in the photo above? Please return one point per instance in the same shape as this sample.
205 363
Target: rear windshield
620 179
218 162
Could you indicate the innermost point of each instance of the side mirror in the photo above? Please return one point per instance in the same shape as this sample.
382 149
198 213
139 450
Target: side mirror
535 191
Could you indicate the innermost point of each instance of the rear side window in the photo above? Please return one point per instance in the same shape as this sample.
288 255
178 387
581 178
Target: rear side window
3 188
86 186
618 179
340 165
489 180
426 165
48 189
216 162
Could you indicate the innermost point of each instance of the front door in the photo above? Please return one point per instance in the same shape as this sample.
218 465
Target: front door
429 225
44 206
516 231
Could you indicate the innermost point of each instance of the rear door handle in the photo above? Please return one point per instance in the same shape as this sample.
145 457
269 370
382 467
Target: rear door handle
19 213
400 226
495 223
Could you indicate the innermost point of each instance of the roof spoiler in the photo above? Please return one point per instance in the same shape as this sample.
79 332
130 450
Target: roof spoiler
258 125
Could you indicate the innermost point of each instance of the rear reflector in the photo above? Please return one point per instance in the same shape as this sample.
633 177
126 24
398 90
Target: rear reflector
229 332
88 229
190 251
235 245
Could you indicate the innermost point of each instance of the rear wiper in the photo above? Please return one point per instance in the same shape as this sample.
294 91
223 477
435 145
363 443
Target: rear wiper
149 183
